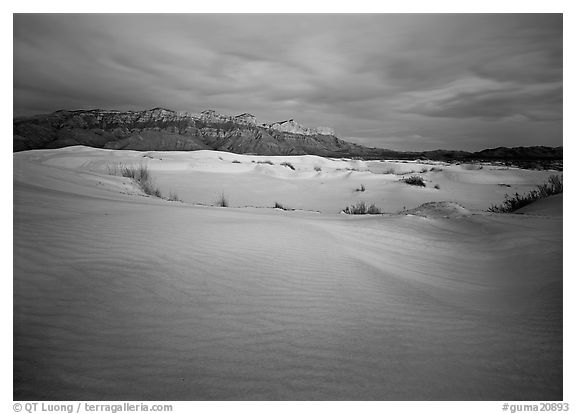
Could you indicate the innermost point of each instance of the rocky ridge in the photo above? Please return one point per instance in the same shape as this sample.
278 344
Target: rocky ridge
161 129
165 130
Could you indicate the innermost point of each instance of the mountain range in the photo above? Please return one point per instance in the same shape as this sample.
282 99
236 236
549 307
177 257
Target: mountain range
162 129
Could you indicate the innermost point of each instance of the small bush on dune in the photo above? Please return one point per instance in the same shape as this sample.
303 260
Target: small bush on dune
149 189
222 201
140 174
512 203
362 188
361 208
266 162
173 197
317 168
289 165
415 180
389 171
281 206
437 187
236 162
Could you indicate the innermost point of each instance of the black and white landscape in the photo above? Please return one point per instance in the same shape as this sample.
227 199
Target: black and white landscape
288 207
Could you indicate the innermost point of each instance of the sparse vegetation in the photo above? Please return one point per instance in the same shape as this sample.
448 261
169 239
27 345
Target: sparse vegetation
173 197
317 169
389 171
236 162
423 170
437 187
361 208
512 203
140 174
266 162
362 188
436 169
288 164
281 206
222 201
415 180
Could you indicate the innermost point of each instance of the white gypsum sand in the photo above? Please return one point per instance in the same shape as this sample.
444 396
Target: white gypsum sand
118 295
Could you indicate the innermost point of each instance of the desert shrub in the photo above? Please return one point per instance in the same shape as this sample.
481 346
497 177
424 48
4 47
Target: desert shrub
361 208
436 169
281 206
288 164
372 209
149 188
424 170
512 203
140 174
362 188
415 180
236 162
389 171
316 168
222 201
266 162
437 187
173 197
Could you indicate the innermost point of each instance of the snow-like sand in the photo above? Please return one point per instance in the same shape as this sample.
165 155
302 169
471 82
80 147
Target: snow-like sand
122 296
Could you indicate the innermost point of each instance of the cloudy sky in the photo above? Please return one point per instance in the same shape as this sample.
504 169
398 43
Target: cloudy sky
406 82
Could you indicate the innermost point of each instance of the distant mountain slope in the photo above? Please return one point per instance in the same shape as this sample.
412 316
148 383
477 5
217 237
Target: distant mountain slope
165 130
161 129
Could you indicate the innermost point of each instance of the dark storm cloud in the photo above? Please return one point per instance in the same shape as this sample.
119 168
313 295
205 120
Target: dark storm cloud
498 104
402 81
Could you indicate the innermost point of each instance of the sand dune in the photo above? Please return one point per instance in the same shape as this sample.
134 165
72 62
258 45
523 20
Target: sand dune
122 296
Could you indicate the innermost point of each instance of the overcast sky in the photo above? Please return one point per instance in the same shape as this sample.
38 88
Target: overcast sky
405 82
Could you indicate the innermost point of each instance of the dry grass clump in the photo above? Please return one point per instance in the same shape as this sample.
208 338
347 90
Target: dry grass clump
173 197
553 186
139 173
415 180
222 201
288 164
361 208
266 162
362 188
317 168
281 206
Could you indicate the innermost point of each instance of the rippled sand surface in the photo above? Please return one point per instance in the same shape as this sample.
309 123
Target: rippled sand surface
123 297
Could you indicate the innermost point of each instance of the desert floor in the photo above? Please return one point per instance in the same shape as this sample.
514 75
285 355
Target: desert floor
123 296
